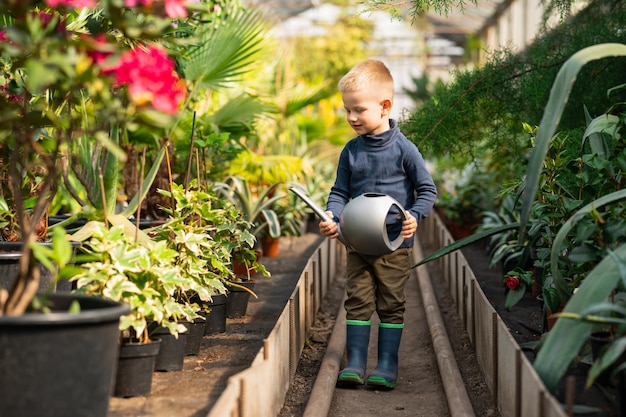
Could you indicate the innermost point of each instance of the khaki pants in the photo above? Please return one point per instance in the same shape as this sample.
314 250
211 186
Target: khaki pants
376 283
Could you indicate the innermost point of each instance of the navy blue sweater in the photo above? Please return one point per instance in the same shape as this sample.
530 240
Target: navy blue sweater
387 163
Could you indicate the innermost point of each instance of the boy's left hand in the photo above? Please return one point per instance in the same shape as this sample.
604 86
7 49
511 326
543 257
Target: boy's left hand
409 226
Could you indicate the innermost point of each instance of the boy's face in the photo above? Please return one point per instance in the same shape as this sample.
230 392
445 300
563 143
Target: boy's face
366 112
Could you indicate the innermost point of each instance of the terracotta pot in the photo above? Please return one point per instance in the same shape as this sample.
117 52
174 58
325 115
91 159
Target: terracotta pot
550 319
270 246
240 269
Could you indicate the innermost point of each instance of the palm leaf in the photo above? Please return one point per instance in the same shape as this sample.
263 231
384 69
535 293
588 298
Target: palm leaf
239 112
226 50
303 96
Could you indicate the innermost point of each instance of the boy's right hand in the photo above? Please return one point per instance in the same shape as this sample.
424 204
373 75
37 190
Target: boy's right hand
329 229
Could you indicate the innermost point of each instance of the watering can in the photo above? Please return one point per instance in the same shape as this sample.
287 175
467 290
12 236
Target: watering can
362 222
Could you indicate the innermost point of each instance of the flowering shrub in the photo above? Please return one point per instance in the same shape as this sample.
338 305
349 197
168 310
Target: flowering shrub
517 281
150 77
79 76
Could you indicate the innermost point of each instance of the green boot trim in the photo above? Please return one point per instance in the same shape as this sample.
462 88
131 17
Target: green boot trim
358 322
357 342
391 325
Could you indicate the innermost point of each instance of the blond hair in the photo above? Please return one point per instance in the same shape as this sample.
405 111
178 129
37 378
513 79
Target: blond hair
371 74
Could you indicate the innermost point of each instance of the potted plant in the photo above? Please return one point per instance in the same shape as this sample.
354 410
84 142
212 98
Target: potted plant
255 203
65 80
124 264
192 230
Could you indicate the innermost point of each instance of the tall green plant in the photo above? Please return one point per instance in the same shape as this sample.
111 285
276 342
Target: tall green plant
564 341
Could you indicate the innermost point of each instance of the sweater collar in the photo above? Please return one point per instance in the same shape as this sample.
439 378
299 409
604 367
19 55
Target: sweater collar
383 138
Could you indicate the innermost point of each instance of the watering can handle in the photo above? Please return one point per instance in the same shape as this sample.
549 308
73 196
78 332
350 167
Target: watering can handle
317 209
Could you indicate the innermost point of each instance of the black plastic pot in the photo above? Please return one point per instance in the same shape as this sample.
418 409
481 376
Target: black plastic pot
238 299
60 364
135 368
171 355
216 316
195 332
10 255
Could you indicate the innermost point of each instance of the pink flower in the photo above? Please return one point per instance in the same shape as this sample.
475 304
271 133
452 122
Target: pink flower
77 4
151 79
512 282
175 8
7 95
135 3
99 48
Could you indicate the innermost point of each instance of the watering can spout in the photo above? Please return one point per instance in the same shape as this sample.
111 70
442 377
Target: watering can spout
316 209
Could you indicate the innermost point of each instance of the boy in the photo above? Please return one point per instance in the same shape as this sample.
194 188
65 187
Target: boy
381 160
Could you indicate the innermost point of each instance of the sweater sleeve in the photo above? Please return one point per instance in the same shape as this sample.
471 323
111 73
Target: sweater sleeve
340 191
424 186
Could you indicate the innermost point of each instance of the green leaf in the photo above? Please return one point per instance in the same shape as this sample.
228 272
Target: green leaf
145 187
61 246
466 241
74 307
273 225
614 351
226 50
560 282
39 75
606 123
559 96
514 296
564 341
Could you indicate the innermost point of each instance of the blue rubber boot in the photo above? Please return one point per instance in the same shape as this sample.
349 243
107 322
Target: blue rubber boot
386 373
357 342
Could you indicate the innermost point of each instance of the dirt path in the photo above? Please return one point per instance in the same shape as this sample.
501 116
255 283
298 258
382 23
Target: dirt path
419 391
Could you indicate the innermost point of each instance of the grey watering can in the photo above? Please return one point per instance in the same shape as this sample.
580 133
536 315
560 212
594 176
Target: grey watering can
362 222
